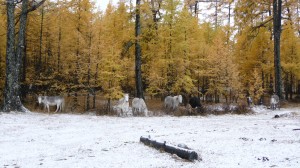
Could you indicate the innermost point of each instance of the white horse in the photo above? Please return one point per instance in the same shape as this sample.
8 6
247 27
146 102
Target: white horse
173 102
274 102
139 106
122 106
48 101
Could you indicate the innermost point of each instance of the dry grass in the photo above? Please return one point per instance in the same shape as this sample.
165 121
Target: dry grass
155 107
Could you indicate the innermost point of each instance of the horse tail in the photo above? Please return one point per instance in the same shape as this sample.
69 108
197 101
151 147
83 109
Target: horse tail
168 102
63 105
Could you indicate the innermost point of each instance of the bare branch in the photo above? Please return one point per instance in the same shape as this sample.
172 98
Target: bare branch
262 24
35 5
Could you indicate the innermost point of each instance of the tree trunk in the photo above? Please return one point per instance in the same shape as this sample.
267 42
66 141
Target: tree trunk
12 100
181 152
138 61
21 47
277 32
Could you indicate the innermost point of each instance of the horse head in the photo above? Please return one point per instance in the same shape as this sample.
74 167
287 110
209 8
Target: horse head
40 99
126 96
179 98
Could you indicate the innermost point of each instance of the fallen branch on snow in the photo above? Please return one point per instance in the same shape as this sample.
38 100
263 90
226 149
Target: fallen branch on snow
181 152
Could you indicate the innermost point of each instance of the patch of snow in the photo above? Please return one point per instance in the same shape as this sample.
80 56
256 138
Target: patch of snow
66 140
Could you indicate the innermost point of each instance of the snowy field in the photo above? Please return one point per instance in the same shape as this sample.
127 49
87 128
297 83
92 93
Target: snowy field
30 140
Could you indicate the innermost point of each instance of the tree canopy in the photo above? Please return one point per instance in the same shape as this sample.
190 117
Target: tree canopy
72 46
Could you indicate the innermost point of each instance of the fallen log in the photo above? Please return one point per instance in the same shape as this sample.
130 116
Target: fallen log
181 152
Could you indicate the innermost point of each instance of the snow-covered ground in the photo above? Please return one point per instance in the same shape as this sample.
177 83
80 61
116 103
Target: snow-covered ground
30 140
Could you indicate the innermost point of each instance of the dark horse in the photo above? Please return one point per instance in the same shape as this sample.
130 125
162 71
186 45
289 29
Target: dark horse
195 102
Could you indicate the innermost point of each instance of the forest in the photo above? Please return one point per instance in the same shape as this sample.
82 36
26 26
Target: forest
219 50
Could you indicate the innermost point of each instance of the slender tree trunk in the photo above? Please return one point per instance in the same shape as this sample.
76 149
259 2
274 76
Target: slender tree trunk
1 68
277 4
97 70
229 13
24 63
78 53
291 86
20 52
138 51
39 66
216 14
89 73
196 9
48 50
95 84
286 86
298 20
59 42
58 49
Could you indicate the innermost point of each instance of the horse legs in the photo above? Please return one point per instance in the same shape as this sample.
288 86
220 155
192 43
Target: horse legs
57 107
145 112
141 110
44 107
125 111
48 108
166 108
273 106
119 111
136 111
60 108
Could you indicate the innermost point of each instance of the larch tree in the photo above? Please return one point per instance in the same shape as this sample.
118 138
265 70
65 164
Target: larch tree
125 28
156 47
203 61
186 37
153 61
167 37
223 72
56 52
82 21
110 72
254 41
255 88
290 54
253 51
